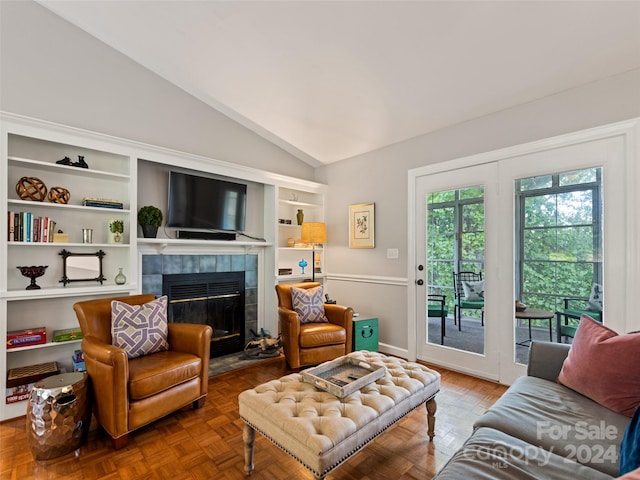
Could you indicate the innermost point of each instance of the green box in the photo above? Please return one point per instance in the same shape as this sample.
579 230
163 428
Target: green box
365 333
67 335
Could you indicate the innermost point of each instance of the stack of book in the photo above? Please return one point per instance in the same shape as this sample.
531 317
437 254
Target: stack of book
26 227
102 202
21 380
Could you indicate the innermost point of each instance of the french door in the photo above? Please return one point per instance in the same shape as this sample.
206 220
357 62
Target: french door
522 246
453 233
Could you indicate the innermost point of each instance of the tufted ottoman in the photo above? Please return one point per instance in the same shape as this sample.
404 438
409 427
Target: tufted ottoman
321 430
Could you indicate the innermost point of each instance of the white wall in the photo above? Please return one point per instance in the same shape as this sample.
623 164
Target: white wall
381 177
51 70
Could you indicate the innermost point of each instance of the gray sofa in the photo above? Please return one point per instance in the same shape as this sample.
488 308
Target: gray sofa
540 429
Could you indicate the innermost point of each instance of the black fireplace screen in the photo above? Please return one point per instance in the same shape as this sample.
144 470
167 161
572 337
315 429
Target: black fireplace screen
215 299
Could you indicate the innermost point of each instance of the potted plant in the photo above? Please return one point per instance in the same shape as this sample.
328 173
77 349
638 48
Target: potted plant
116 231
149 218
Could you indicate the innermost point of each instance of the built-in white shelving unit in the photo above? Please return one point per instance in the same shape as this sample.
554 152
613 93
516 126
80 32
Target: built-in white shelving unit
31 148
290 250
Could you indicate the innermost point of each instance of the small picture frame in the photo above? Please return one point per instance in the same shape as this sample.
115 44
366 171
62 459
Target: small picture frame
362 225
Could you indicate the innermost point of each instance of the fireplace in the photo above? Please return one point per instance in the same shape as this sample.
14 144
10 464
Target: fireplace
216 299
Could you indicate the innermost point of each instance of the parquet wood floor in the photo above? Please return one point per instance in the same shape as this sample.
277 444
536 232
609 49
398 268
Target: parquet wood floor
207 443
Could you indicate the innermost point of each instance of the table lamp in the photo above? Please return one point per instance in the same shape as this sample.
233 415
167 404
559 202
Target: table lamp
314 233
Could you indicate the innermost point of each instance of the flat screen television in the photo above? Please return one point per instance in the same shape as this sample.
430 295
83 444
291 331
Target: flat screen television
206 203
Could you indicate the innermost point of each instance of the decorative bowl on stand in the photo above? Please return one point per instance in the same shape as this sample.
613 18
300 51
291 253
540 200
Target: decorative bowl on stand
33 272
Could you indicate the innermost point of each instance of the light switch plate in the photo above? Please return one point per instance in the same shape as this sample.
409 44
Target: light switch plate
392 253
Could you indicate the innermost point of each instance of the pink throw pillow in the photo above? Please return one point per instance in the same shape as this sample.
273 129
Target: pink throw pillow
603 366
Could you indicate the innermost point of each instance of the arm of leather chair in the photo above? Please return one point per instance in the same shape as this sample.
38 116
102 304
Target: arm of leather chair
195 339
290 331
190 338
343 316
108 368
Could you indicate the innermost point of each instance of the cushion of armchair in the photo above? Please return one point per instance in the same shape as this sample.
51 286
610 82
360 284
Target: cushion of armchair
155 373
319 334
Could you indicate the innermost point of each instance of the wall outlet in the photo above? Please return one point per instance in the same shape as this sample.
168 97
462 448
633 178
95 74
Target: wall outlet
392 253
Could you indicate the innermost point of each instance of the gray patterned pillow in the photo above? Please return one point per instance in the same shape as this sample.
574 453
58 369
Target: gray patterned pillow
140 329
473 291
595 298
308 304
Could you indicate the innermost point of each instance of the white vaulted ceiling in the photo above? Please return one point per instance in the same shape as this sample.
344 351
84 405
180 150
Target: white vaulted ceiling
328 80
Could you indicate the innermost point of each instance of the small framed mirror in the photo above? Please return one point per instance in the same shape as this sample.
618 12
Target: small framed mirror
82 267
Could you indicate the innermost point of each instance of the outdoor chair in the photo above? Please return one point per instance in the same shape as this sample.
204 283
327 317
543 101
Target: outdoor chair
468 288
437 307
568 318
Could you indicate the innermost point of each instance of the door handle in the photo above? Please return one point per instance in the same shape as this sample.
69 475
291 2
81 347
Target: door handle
420 282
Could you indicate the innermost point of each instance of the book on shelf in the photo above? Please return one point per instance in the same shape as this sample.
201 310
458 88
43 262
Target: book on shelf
26 227
102 202
103 205
11 226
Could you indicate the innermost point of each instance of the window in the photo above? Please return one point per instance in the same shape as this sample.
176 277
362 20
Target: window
559 224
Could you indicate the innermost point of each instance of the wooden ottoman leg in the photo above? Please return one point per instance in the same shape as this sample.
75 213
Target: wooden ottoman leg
431 417
249 437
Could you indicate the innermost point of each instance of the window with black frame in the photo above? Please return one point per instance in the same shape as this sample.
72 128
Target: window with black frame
559 232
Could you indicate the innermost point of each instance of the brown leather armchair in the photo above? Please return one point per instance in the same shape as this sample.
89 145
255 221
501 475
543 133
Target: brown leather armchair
312 343
131 393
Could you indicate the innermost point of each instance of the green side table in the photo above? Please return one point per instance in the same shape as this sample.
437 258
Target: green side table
365 333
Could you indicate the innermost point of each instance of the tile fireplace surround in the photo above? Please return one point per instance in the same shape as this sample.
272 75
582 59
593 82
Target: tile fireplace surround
154 266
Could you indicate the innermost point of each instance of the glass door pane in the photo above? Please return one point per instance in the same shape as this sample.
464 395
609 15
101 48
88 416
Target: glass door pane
455 243
560 243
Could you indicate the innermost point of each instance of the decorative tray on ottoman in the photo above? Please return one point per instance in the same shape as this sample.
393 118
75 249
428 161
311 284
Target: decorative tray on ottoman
343 376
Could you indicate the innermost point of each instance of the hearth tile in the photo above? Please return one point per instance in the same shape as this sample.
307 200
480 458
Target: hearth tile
152 284
207 263
223 263
151 264
171 264
190 264
251 263
237 263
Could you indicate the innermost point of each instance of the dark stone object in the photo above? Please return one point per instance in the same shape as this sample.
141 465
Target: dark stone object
64 161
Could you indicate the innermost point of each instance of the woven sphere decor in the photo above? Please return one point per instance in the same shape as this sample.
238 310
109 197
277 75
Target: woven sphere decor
31 188
58 195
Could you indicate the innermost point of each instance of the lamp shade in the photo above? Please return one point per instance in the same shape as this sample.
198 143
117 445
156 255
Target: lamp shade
313 232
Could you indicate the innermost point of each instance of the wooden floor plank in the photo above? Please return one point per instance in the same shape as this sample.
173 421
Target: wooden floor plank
207 443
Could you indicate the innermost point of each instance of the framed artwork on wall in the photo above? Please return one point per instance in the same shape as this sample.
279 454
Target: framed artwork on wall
362 225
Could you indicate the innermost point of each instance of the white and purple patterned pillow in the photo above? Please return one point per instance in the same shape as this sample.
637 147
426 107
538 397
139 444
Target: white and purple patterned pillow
308 304
140 329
